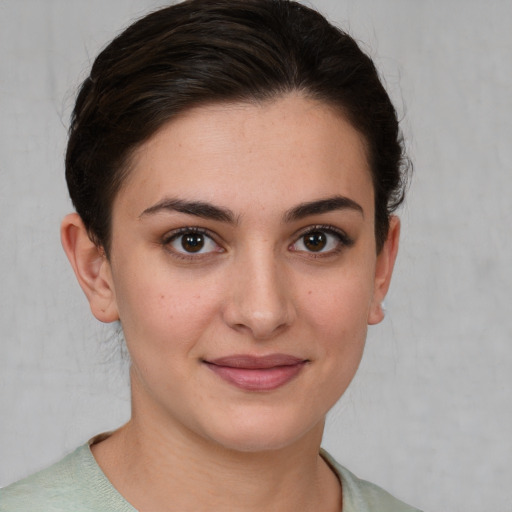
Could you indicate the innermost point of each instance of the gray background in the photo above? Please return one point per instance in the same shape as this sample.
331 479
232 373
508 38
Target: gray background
429 415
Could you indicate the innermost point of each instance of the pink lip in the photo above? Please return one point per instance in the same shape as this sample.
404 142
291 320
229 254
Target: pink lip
257 373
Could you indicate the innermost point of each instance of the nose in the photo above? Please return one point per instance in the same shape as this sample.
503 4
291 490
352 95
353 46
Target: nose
260 300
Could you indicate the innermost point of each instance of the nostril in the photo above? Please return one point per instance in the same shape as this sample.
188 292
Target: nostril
261 326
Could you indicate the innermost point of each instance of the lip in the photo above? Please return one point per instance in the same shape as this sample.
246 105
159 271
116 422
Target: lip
257 373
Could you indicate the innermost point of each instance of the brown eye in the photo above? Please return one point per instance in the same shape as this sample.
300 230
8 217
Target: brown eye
192 242
315 241
322 241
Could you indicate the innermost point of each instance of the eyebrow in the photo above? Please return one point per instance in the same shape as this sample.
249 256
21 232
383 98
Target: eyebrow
197 208
209 211
322 206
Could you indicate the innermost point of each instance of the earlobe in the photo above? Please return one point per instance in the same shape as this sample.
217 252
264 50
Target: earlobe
384 270
91 266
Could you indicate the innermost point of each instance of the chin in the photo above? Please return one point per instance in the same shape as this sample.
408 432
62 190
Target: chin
265 432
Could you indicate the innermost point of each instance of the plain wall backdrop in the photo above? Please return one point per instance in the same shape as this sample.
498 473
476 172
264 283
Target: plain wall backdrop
429 415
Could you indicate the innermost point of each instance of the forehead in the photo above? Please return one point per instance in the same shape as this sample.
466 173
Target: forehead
272 154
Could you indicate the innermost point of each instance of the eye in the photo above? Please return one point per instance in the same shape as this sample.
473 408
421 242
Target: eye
321 240
190 241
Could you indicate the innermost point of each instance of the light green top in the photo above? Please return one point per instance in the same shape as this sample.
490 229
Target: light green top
77 484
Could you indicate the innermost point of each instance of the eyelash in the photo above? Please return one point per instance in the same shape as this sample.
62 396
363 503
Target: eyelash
175 235
343 241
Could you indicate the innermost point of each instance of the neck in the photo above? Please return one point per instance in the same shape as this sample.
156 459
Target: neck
161 466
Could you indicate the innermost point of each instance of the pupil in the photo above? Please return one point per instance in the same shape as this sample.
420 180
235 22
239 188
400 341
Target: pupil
315 241
192 242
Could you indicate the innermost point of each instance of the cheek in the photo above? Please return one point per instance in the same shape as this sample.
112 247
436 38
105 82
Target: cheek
338 313
339 304
165 310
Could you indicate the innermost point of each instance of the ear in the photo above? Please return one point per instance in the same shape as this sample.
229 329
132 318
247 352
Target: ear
91 266
383 271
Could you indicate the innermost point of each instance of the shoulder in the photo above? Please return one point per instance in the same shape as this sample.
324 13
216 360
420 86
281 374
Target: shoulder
363 496
75 483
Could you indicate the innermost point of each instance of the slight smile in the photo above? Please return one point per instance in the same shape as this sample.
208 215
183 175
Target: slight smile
253 373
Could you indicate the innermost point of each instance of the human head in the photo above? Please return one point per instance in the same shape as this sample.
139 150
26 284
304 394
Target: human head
200 52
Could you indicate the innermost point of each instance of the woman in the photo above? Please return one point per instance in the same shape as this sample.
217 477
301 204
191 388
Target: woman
234 166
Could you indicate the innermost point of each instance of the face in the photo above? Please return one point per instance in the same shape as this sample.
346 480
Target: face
244 271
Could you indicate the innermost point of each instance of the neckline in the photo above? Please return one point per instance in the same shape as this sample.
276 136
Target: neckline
114 497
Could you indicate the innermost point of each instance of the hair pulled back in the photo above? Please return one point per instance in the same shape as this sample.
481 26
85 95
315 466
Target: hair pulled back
206 51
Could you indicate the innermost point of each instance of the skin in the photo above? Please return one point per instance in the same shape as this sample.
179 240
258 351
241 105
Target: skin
255 288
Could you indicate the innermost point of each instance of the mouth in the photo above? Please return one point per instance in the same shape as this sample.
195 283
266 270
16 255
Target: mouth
252 373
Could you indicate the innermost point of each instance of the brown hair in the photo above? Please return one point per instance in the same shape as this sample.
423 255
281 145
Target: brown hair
204 51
